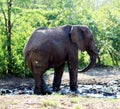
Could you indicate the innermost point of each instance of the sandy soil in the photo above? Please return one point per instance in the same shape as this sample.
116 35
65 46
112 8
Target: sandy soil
56 102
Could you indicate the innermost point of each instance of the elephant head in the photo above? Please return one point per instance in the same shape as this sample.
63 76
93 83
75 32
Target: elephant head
83 38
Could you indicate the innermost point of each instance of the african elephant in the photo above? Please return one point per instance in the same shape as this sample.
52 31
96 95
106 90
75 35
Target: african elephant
52 47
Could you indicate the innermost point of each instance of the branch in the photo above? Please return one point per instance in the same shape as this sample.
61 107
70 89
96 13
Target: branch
4 15
9 3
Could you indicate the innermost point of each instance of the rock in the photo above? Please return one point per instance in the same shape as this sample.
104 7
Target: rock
2 91
109 94
8 91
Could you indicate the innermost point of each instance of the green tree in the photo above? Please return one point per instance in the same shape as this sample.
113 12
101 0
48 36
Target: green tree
8 27
18 18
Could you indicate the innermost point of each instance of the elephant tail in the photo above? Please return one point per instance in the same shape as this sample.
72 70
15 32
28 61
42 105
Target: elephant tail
28 62
25 68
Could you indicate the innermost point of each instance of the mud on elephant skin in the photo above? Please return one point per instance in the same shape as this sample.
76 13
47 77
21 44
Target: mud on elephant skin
52 47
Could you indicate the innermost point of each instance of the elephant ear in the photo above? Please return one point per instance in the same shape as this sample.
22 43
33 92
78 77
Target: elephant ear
77 36
87 32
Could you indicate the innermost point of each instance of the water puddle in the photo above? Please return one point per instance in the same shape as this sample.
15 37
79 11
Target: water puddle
96 91
106 90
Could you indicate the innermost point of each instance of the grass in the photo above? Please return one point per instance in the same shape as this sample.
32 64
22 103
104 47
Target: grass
74 100
50 103
56 101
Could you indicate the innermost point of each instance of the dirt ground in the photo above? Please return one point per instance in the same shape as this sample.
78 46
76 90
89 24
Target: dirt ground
96 75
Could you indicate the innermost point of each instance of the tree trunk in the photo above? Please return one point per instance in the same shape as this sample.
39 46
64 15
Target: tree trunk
8 34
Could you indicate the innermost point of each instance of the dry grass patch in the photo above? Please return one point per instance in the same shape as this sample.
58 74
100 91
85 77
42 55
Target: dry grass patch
56 102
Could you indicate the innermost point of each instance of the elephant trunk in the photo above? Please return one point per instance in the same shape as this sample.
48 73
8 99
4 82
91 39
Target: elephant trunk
91 64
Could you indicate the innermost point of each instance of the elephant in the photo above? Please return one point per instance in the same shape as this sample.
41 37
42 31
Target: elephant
52 48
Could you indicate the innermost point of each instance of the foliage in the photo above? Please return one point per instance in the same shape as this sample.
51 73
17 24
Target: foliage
102 17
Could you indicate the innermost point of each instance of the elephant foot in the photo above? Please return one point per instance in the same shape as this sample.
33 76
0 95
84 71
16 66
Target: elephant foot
76 91
42 92
44 88
55 89
47 91
37 91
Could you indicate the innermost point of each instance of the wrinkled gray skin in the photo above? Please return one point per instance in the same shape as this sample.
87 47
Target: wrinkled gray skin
51 48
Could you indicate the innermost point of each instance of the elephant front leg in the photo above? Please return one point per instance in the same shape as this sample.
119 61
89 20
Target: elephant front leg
73 73
57 77
73 79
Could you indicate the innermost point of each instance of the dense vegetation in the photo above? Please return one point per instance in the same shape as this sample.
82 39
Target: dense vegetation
18 18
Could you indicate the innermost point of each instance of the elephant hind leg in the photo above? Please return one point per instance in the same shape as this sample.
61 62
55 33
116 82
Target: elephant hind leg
44 87
38 75
37 89
57 77
39 67
40 84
